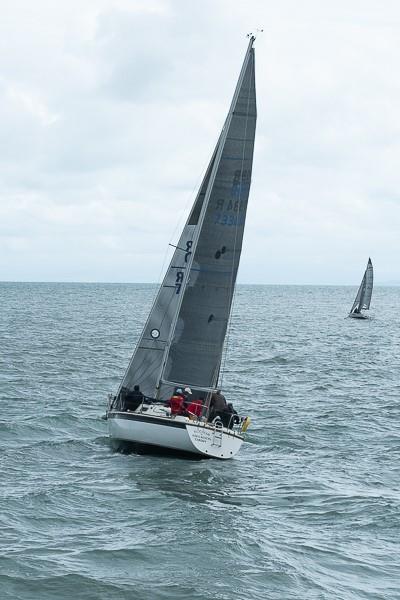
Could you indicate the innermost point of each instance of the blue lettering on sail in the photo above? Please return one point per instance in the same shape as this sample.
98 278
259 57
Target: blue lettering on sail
229 219
241 183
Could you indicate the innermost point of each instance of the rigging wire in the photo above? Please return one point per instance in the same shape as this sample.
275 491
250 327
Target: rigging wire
178 225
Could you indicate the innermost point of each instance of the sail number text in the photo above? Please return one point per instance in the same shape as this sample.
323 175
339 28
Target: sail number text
179 274
229 213
232 212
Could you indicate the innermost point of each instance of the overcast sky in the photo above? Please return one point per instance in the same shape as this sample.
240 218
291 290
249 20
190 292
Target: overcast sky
110 109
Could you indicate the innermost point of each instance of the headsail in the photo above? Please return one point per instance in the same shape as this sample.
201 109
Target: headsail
146 363
363 297
183 339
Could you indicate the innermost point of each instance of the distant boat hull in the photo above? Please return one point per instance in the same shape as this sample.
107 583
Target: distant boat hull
178 434
358 316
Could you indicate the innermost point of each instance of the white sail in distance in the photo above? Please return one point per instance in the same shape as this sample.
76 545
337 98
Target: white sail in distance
364 294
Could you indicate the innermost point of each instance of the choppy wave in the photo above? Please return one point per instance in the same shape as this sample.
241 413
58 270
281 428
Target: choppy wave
310 509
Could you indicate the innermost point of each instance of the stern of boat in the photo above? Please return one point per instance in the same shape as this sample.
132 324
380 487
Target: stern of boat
214 440
153 425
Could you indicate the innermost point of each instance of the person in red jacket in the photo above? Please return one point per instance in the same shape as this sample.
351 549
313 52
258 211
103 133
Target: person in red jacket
195 408
176 402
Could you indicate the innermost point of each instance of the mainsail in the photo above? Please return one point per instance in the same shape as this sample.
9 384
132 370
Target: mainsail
363 297
183 338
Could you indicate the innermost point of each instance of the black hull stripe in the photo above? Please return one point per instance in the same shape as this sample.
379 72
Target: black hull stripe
146 419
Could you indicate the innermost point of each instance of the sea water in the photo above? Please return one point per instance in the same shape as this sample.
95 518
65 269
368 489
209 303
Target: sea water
309 509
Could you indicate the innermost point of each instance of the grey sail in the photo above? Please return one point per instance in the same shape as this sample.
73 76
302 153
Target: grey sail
195 352
356 302
183 338
363 297
369 282
147 361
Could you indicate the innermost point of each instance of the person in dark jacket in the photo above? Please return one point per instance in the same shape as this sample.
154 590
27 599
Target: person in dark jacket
221 409
133 399
217 405
231 416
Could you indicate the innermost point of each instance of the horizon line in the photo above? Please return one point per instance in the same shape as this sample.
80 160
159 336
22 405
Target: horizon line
376 284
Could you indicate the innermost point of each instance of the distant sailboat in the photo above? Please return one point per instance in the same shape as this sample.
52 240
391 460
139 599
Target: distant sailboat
182 341
363 298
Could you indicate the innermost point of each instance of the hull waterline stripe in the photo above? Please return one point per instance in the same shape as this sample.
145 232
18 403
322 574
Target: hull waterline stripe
146 419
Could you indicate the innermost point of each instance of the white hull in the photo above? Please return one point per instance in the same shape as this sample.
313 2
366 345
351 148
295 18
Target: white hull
174 433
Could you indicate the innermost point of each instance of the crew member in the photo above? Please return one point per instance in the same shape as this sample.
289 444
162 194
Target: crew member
220 408
133 399
217 405
176 402
195 408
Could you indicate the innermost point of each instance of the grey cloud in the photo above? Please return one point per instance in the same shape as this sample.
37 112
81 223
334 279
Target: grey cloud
109 112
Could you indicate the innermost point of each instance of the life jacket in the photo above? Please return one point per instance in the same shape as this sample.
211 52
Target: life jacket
176 404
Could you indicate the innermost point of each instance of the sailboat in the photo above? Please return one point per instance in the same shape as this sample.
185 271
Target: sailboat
182 342
363 299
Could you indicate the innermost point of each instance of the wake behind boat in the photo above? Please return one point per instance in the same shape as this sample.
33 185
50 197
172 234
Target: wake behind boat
168 397
363 298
